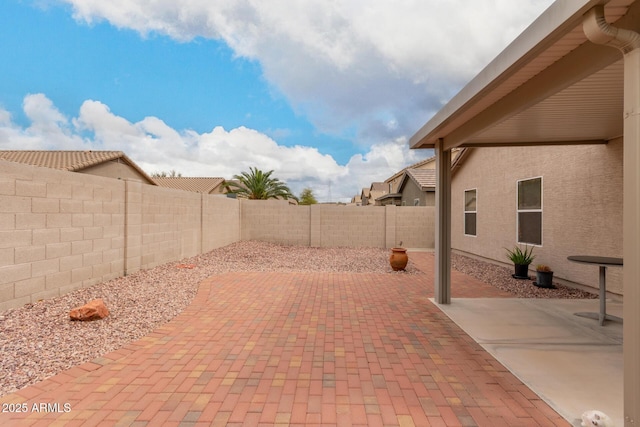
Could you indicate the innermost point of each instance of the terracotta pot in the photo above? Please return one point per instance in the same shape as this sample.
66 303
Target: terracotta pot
398 258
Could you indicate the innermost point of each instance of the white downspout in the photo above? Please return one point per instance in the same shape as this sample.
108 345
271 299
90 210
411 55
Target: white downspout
597 30
628 42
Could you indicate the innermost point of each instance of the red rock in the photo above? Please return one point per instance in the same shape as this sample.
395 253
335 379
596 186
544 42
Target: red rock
93 310
186 266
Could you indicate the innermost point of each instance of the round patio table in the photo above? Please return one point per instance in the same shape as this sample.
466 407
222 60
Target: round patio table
603 263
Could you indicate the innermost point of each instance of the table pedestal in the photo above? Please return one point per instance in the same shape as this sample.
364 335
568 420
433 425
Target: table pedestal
603 262
602 315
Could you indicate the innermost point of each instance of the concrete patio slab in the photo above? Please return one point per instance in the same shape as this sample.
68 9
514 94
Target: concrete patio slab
571 362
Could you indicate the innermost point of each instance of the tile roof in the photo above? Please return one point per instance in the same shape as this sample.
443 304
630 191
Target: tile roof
424 178
196 184
379 186
72 161
455 154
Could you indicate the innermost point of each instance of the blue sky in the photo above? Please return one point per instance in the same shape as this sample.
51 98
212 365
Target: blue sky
327 95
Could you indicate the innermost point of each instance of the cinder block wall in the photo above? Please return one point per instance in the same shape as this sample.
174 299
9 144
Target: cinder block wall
415 227
163 225
275 221
220 222
358 227
59 231
333 226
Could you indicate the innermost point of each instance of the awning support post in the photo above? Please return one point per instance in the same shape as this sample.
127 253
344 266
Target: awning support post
628 42
443 225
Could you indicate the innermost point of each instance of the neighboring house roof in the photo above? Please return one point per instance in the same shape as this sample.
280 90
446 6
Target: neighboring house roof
378 186
377 190
72 161
390 196
456 155
205 185
425 179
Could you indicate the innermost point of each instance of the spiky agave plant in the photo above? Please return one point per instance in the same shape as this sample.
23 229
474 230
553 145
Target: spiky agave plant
520 257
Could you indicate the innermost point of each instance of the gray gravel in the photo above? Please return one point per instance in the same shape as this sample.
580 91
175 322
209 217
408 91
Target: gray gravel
38 340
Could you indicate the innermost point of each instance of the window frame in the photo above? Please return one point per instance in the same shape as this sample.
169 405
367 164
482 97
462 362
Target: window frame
465 212
539 210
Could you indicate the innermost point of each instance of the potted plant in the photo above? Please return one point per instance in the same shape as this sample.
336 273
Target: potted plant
521 260
544 276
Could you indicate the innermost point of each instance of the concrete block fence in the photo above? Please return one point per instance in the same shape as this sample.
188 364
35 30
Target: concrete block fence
332 226
60 231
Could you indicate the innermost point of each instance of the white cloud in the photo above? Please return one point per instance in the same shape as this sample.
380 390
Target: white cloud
348 63
155 147
380 68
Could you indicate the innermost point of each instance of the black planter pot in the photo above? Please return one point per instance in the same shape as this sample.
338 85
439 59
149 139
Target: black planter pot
521 271
544 279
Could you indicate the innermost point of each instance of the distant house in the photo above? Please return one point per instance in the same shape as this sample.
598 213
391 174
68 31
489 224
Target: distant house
206 185
417 187
377 190
364 196
415 184
110 164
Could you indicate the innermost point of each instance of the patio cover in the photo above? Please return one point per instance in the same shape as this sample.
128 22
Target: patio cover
554 85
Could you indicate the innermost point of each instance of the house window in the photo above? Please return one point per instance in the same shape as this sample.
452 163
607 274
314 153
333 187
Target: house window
470 212
416 202
530 211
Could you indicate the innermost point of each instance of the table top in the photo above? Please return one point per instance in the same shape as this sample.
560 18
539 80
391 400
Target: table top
600 260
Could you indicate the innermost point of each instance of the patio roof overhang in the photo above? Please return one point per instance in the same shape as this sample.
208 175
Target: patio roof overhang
553 86
550 86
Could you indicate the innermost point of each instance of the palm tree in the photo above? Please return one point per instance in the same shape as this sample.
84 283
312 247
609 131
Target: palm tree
258 185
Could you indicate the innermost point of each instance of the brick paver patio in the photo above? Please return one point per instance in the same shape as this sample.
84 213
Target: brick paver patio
296 349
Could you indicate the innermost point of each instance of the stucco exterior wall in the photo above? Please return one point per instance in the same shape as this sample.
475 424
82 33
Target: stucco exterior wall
411 191
115 169
581 198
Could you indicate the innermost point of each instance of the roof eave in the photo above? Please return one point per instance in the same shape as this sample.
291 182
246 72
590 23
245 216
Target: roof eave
559 18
